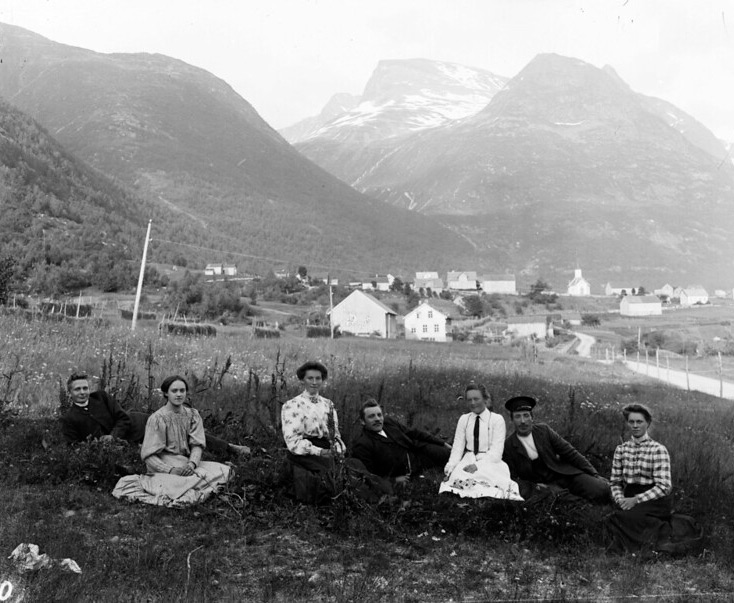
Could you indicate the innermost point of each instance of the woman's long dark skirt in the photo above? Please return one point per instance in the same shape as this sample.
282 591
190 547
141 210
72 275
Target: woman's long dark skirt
650 525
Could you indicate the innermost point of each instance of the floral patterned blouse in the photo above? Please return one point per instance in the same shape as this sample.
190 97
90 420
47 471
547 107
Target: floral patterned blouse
306 416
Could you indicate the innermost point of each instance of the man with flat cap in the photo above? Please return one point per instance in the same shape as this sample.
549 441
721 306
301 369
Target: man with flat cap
393 450
536 454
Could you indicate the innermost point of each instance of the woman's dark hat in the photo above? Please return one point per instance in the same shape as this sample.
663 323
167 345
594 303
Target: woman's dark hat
520 403
311 365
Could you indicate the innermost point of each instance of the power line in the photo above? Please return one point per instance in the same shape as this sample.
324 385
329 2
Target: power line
260 257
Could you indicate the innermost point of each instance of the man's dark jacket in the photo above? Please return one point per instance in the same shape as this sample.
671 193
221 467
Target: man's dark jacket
558 455
103 416
387 457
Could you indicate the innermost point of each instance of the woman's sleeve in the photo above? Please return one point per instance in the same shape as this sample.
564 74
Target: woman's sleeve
197 437
661 474
457 450
153 443
497 434
617 477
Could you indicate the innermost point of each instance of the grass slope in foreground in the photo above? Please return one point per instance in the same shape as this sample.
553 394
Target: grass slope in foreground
254 543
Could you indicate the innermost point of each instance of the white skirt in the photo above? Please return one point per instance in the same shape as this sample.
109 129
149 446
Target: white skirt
167 490
485 479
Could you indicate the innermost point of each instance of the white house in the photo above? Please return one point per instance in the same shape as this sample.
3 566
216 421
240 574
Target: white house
380 282
618 289
666 290
431 320
462 281
529 326
213 269
720 293
428 280
579 286
640 305
498 283
361 314
229 270
693 295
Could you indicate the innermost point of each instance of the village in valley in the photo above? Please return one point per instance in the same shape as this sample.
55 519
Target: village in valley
466 306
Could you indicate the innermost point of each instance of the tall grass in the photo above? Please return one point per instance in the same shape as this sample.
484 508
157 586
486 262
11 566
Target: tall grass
239 384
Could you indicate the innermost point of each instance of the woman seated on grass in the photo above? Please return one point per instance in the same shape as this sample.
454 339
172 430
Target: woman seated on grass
642 490
172 447
315 448
475 468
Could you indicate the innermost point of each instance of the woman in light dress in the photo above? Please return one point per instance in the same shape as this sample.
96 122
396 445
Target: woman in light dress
475 468
172 447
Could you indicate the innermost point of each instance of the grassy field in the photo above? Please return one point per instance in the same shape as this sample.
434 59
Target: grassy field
254 543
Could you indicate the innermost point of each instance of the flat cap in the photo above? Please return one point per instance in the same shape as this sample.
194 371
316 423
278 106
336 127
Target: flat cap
520 403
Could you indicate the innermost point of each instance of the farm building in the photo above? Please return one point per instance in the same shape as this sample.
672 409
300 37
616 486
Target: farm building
213 269
431 320
498 283
643 305
361 314
619 289
428 280
666 290
579 286
693 295
462 281
229 270
380 282
529 326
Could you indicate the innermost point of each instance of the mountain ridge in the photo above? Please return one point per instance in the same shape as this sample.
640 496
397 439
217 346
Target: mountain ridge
177 134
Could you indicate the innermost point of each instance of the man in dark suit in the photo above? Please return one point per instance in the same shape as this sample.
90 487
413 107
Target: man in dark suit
392 450
537 455
96 415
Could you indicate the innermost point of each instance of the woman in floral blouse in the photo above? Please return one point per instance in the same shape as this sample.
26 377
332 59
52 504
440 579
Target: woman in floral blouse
311 433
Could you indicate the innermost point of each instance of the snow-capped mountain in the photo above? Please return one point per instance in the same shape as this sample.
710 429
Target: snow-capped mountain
402 97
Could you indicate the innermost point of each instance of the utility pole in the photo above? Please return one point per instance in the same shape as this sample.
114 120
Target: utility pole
140 277
331 305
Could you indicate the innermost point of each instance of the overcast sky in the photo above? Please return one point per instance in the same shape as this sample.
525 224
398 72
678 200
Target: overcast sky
287 57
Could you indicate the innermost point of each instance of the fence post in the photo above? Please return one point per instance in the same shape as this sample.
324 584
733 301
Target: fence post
647 362
688 379
721 378
657 360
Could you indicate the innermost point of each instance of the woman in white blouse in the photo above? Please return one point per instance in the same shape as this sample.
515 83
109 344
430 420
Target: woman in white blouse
475 468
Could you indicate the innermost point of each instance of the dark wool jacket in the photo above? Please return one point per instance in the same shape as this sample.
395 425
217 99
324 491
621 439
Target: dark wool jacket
387 457
553 450
103 416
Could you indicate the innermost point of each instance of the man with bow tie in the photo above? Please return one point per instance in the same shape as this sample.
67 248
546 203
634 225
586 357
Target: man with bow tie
393 450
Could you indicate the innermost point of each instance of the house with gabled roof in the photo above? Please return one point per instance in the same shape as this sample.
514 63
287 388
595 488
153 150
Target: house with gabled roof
695 294
667 290
361 314
537 327
462 281
498 283
640 305
578 286
428 280
619 289
213 269
379 282
432 320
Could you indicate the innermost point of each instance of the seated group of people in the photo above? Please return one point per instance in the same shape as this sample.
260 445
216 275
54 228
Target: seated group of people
172 442
483 462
